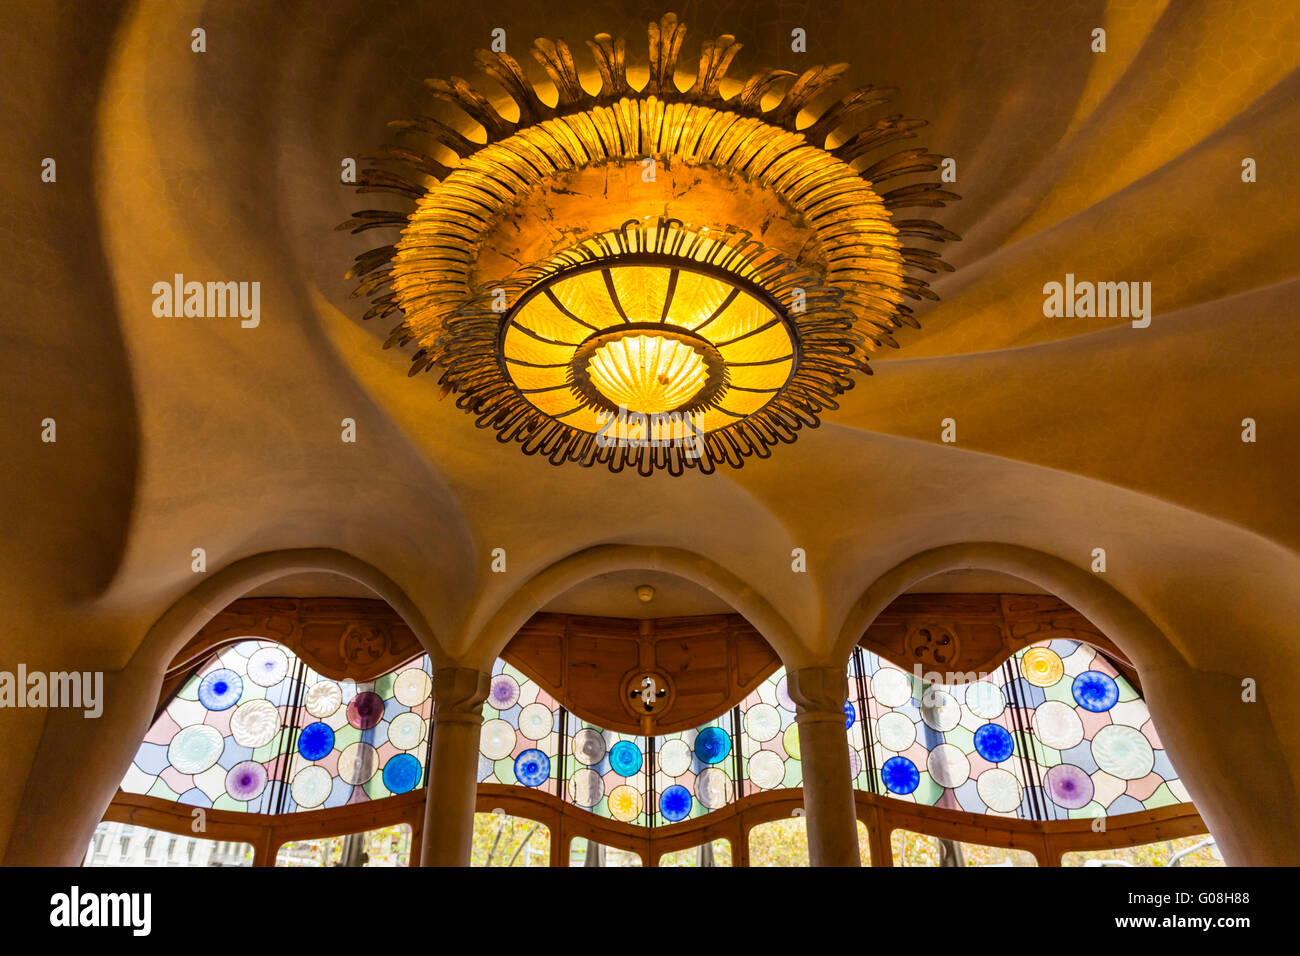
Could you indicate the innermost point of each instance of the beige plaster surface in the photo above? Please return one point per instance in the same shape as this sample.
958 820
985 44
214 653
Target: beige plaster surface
1072 434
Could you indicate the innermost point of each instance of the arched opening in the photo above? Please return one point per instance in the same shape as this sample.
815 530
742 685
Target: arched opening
999 722
287 722
311 756
195 621
1018 726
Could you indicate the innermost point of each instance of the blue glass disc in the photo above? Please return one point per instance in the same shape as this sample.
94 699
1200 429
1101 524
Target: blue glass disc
675 803
712 745
532 768
1095 691
625 758
900 775
316 740
850 715
221 689
993 743
401 774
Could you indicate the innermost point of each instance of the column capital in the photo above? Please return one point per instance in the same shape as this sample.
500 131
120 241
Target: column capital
458 694
819 693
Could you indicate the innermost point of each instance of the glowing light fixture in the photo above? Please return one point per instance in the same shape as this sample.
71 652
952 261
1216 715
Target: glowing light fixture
647 372
675 294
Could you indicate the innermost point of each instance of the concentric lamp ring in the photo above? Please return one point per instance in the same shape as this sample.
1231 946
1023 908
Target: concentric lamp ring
754 338
648 368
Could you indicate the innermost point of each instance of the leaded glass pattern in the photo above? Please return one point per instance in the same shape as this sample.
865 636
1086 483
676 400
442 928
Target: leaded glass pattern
608 772
695 771
1056 732
361 741
220 742
769 738
1114 744
861 768
256 730
519 742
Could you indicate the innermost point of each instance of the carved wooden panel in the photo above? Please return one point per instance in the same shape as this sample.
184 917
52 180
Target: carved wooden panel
339 637
591 665
967 633
706 664
1047 840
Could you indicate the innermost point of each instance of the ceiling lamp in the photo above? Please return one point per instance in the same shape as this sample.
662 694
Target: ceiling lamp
649 278
645 370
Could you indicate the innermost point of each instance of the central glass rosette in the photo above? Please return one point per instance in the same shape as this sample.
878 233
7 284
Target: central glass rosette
657 337
647 367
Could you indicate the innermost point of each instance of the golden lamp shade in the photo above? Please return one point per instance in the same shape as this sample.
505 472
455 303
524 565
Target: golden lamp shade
647 372
551 282
647 338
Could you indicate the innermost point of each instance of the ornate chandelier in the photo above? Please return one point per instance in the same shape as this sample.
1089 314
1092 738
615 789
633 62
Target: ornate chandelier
649 277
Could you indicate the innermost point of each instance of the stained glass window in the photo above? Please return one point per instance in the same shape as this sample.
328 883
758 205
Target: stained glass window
695 771
856 718
529 740
1004 744
255 729
519 742
769 737
1056 732
607 774
361 741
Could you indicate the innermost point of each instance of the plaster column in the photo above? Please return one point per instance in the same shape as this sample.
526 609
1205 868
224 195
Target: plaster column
78 765
458 695
1228 752
819 694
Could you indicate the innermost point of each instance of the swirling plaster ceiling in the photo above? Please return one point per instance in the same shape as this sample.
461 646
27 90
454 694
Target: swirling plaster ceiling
1072 433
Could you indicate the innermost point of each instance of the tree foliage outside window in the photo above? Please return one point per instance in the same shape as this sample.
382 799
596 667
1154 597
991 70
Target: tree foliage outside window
1170 852
717 853
386 846
920 849
502 840
583 852
785 843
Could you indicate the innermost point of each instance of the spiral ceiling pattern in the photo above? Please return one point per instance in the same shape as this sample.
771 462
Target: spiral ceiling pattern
1071 433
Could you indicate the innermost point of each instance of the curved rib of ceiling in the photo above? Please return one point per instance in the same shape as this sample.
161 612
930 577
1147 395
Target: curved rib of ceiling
893 497
572 509
1155 410
1147 118
242 447
67 503
188 615
225 166
1191 228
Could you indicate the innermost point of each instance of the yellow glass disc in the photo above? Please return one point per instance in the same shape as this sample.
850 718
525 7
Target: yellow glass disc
624 803
1042 666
